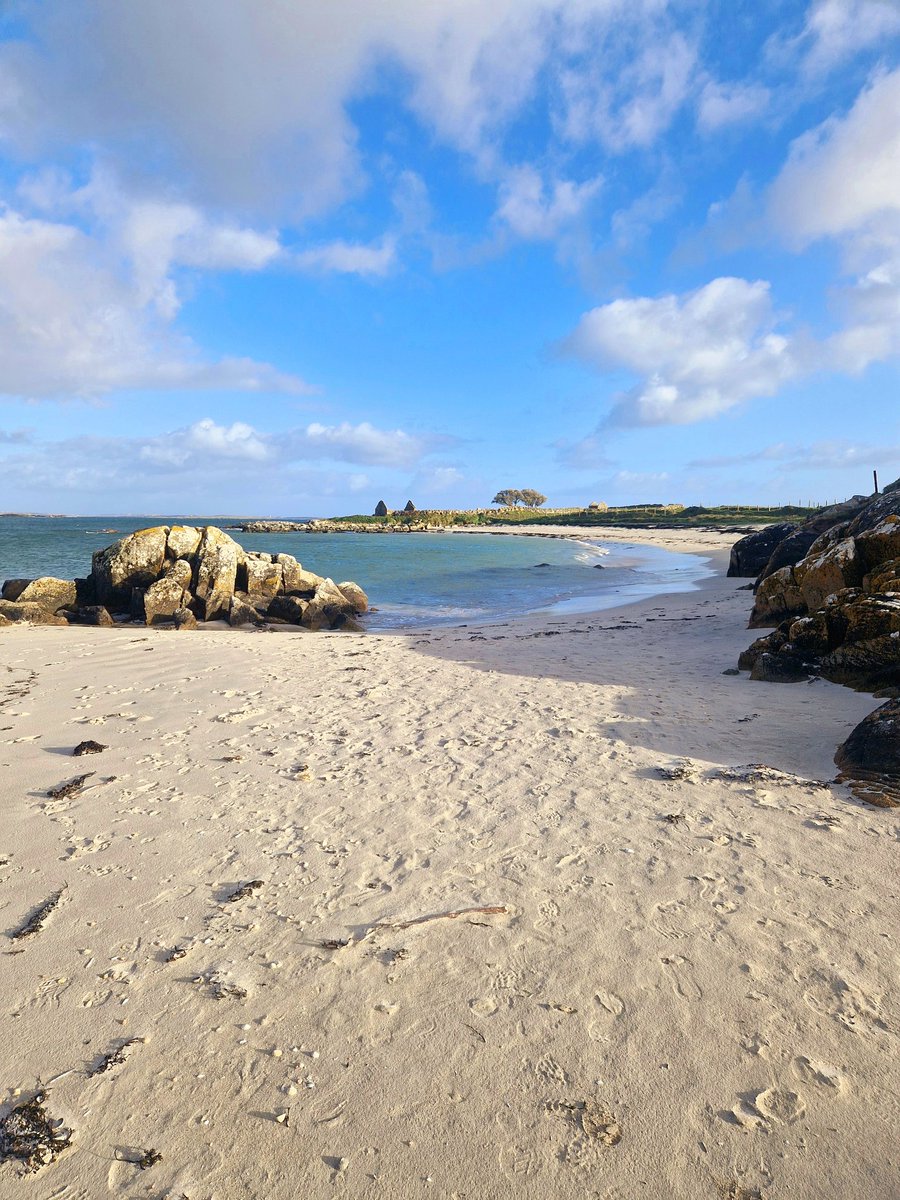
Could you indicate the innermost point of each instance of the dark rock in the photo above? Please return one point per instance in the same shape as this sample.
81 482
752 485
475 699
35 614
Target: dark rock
873 748
91 614
288 608
788 552
13 588
381 509
770 644
410 507
867 666
780 668
750 555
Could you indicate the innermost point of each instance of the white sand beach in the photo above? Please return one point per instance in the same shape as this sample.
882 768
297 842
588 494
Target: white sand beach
493 952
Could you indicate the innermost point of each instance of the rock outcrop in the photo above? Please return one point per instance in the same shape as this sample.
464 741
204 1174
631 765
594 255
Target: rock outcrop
750 555
181 575
836 611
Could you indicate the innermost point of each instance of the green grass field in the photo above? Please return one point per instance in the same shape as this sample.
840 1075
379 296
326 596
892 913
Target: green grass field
632 517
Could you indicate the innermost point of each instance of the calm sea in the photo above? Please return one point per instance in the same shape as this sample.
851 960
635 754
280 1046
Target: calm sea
412 579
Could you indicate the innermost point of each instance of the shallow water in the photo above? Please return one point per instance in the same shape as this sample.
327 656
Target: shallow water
411 579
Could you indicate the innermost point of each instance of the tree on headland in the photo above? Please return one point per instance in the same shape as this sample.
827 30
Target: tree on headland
531 498
513 497
508 497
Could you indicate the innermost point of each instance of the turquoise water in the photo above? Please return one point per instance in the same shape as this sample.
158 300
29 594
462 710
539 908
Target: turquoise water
411 579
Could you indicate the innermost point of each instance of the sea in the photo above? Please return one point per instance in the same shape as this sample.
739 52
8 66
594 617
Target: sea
412 580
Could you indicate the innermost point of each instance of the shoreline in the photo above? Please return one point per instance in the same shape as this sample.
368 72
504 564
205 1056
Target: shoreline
665 979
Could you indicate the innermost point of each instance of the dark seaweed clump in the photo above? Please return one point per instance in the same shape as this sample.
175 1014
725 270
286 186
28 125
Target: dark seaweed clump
28 1133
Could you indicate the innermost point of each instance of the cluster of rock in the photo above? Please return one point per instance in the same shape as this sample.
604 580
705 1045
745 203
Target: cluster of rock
831 589
271 526
180 575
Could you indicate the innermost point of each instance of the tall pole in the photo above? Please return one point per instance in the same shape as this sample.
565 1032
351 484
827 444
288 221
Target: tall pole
875 476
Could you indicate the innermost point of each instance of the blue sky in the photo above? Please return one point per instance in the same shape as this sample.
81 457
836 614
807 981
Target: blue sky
293 258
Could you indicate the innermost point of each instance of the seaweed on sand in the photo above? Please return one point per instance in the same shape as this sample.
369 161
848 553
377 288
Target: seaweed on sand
72 788
88 747
245 890
28 1133
35 922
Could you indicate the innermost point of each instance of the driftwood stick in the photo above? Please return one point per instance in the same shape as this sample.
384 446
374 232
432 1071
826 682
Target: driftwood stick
490 910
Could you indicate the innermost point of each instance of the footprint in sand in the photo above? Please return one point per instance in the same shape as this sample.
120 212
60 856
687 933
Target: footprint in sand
684 983
813 1070
548 1069
776 1104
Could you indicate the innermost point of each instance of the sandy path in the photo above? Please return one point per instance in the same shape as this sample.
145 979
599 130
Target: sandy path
719 990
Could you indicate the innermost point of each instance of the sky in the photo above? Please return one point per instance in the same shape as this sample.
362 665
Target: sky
293 258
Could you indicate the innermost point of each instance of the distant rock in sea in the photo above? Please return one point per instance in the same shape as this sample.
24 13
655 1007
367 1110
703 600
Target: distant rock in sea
178 575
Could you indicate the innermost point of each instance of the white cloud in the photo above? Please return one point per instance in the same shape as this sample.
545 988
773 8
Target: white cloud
347 258
842 182
72 325
698 354
228 466
361 443
635 105
835 30
535 209
834 454
722 104
844 173
279 138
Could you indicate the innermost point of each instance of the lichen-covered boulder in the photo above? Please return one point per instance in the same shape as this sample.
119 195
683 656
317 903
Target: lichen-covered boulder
217 563
133 561
327 605
822 575
750 555
242 613
163 598
355 596
296 580
29 613
4 621
879 545
53 594
184 619
260 577
183 541
778 596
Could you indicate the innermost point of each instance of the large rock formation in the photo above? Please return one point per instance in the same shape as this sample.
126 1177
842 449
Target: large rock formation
836 613
173 576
